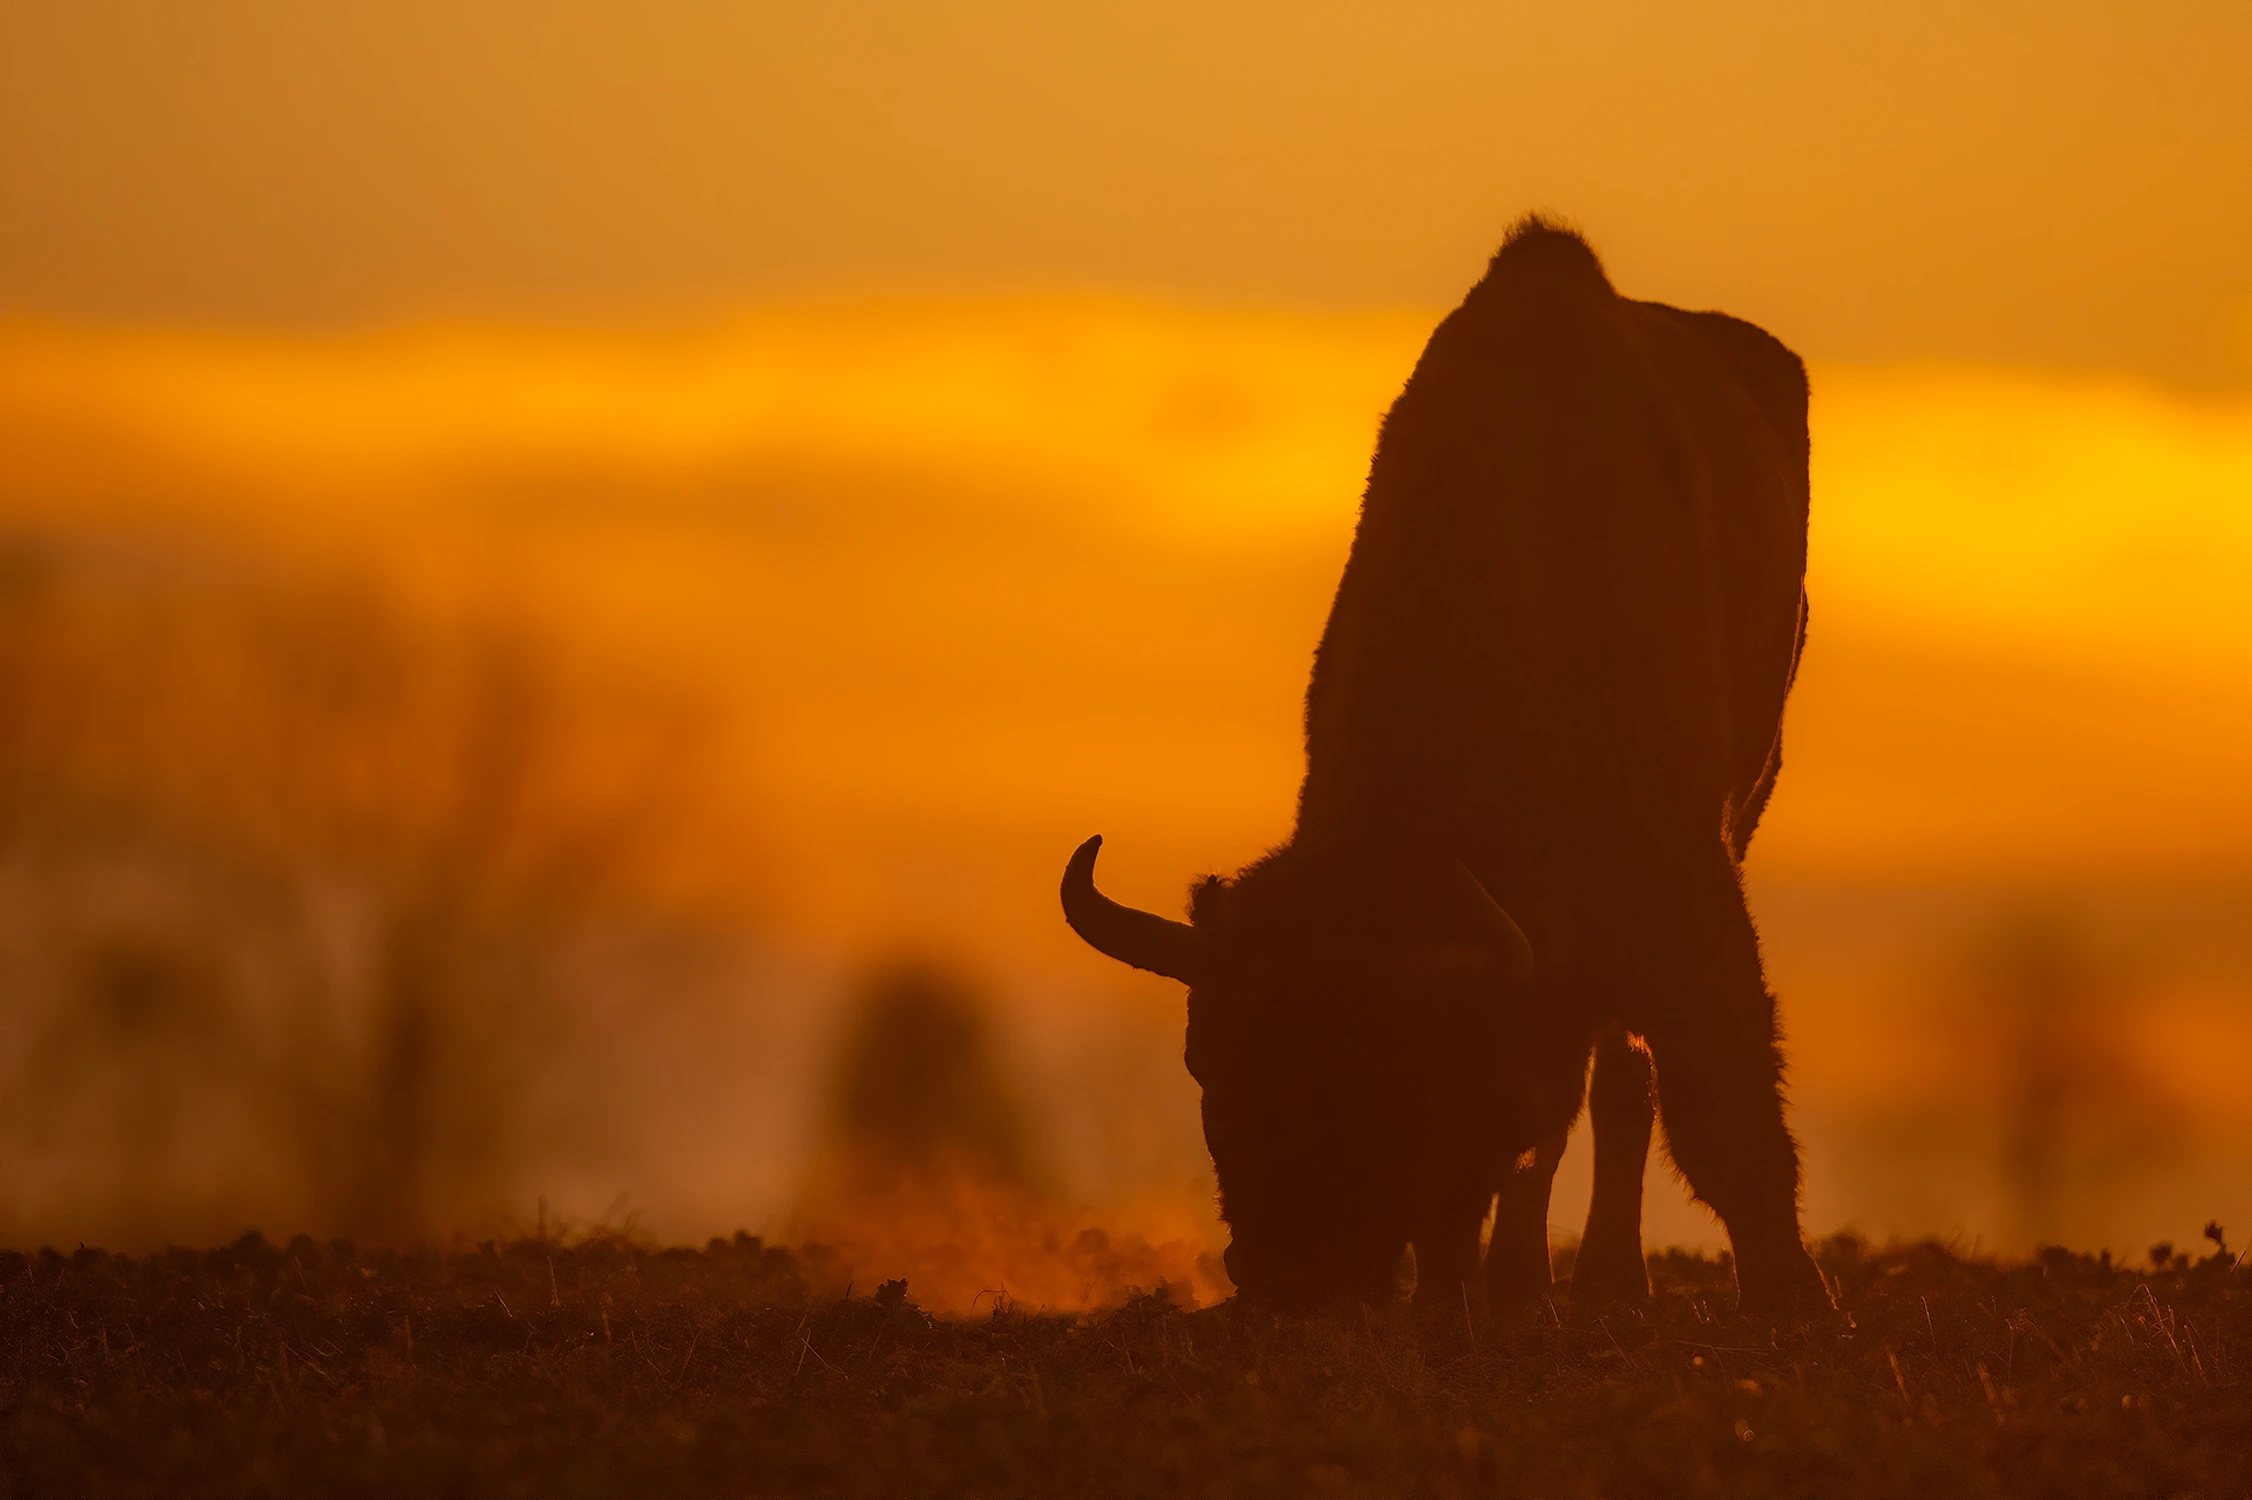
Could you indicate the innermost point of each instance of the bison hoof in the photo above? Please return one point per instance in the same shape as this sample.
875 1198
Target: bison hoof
1790 1291
1512 1286
1605 1274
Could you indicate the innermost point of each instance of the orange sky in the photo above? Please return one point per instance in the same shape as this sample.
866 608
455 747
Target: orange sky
966 580
1064 559
971 401
2015 181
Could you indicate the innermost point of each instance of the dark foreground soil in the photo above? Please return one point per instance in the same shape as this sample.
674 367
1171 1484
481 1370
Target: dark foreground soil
606 1369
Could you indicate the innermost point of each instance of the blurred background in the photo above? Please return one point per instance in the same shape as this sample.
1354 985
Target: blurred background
569 575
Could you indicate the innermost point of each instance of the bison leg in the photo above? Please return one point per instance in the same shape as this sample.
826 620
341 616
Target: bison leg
1446 1268
1619 1111
1713 1038
1517 1266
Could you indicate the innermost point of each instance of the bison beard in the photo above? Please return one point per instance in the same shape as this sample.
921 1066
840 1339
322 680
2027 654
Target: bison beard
1551 684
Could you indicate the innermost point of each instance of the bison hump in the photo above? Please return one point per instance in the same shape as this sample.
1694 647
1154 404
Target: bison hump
1540 248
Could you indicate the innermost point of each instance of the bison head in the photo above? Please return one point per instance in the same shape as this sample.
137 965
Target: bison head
1341 1029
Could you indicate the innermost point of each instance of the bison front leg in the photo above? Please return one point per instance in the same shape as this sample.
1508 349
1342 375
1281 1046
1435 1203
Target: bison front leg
1517 1265
1619 1111
1714 1042
1446 1270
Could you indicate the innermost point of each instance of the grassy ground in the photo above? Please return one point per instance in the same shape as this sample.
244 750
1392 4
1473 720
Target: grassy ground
603 1368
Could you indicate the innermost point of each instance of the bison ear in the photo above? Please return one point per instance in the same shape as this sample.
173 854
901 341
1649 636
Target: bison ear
1498 932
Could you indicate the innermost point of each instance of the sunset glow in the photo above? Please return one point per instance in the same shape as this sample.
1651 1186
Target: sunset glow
572 578
2076 537
957 583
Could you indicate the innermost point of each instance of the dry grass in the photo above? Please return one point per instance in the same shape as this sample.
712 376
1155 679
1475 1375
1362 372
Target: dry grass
604 1368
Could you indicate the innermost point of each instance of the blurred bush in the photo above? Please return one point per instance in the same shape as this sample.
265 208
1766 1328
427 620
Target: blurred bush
296 886
933 1166
2080 1113
920 1080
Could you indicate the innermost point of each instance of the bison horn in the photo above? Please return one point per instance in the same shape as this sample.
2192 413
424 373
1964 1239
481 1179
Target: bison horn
1500 930
1140 938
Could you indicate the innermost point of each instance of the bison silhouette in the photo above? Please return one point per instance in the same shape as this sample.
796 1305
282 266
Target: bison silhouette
1545 716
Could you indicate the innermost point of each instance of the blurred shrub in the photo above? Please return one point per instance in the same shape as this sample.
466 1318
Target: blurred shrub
292 886
932 1166
919 1083
2079 1112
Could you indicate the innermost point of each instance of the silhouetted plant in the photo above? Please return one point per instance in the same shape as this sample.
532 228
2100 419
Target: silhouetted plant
2076 1110
919 1079
299 881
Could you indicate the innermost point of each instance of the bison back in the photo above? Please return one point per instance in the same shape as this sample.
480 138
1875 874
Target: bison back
1573 606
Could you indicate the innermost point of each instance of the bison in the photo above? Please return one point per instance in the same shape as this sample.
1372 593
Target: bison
1544 718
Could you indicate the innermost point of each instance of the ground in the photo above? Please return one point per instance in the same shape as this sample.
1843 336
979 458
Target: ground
606 1368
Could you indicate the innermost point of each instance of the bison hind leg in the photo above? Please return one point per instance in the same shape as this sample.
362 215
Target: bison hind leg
1609 1266
1719 1069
